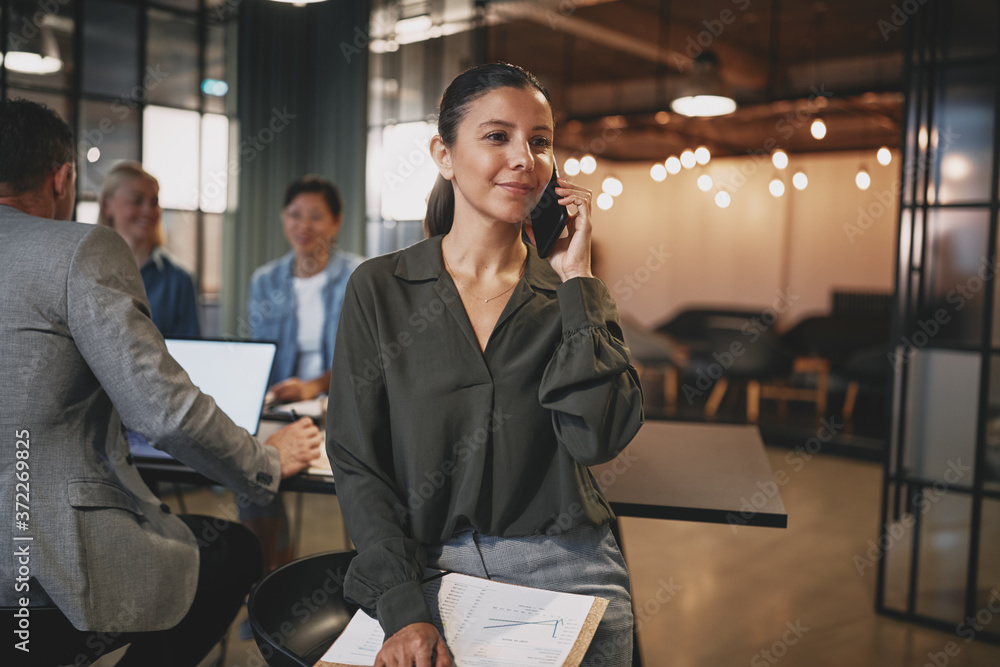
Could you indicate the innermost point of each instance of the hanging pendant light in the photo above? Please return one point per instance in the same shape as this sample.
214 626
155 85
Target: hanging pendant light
704 93
35 54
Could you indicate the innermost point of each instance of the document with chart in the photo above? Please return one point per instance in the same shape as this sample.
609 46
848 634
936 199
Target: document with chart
488 624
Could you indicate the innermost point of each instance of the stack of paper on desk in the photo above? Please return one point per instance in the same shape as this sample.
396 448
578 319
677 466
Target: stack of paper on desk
489 624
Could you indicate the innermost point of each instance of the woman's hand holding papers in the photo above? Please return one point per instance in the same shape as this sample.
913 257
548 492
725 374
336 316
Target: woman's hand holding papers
297 444
417 644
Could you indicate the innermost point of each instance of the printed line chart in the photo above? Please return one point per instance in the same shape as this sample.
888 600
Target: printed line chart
510 623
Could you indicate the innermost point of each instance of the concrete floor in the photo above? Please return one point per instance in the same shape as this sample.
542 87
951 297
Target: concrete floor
714 595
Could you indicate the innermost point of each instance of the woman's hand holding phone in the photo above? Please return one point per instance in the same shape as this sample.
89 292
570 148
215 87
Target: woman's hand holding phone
571 255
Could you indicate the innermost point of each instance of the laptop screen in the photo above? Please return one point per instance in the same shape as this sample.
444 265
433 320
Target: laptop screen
234 373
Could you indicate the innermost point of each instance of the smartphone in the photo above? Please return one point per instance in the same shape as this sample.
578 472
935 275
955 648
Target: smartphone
549 218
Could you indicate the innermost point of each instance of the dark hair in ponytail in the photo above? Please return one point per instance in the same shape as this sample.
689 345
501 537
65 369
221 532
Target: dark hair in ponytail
467 87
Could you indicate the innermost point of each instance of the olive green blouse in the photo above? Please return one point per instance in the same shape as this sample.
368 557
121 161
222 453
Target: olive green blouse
426 433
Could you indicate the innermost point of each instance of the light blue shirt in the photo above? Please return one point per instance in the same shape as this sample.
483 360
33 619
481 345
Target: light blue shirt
272 310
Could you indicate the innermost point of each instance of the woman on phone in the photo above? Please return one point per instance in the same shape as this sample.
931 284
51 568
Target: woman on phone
473 383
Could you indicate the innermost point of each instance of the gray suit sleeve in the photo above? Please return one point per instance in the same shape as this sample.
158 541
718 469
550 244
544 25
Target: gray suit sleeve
109 321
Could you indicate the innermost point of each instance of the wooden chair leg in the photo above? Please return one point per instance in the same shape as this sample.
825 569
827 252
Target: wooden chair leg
753 401
849 400
715 398
670 389
822 382
782 402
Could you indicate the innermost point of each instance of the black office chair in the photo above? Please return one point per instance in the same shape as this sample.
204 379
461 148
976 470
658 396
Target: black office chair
297 610
754 360
652 350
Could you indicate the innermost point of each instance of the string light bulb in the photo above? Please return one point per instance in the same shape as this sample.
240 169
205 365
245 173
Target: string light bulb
658 172
702 155
571 167
779 159
612 186
884 156
776 187
800 180
673 165
863 179
588 164
722 199
705 183
605 201
818 128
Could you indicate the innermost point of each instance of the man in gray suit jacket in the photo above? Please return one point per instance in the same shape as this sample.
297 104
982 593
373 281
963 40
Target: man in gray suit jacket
80 360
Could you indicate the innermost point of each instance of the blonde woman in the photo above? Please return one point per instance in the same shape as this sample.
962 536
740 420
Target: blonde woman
130 205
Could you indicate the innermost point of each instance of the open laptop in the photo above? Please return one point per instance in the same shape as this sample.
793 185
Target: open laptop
233 372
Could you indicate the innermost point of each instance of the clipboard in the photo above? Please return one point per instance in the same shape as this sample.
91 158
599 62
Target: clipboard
507 607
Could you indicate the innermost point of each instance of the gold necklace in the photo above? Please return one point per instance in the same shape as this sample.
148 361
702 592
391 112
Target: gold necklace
521 273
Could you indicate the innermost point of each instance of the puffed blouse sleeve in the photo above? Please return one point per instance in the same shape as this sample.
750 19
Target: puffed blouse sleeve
592 390
385 576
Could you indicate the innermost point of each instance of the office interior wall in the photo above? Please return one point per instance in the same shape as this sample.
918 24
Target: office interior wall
664 246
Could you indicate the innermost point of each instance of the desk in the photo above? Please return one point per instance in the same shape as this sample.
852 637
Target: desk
694 472
671 470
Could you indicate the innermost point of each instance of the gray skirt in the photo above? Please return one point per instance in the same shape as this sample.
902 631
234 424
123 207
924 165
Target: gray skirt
585 560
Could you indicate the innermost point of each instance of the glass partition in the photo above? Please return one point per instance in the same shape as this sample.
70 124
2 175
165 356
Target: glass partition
941 515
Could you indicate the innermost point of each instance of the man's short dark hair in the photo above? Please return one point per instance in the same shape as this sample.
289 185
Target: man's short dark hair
34 140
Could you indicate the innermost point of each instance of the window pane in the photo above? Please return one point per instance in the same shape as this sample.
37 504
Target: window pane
180 232
956 266
211 254
989 566
944 551
40 45
87 211
172 47
214 163
111 49
109 132
170 152
963 136
408 172
941 412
